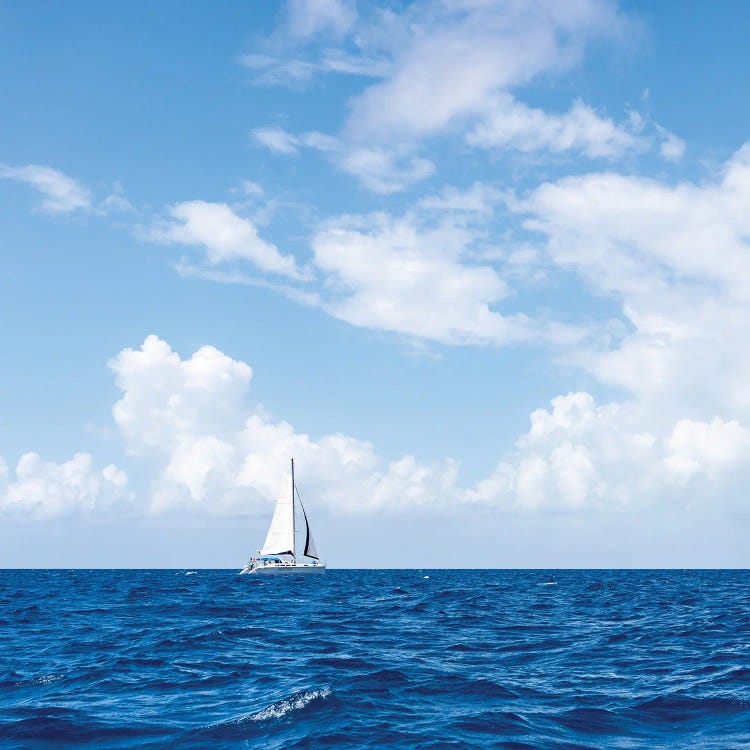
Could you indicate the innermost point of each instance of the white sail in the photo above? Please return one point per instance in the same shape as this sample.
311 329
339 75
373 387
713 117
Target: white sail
280 537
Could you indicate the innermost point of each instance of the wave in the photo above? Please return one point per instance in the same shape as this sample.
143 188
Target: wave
240 726
292 703
62 730
675 707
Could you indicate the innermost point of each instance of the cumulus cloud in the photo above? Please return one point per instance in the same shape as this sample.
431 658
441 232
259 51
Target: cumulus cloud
578 455
212 449
706 447
217 451
223 235
41 489
60 193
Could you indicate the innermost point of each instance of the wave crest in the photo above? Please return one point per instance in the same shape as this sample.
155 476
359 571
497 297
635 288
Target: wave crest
293 703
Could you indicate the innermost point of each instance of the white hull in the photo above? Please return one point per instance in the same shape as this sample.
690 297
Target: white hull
284 569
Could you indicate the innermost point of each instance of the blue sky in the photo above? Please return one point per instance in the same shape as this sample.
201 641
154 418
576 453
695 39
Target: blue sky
479 265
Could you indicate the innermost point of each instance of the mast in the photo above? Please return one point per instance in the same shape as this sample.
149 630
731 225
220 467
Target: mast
294 527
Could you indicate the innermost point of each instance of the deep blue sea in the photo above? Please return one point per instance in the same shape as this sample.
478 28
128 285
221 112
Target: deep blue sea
375 659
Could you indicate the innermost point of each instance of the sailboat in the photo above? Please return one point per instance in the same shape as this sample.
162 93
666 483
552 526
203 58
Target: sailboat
279 553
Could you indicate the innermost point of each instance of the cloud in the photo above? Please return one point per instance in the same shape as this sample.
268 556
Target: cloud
60 193
223 235
276 139
115 202
381 170
510 124
578 456
385 171
676 258
215 451
431 274
211 449
672 148
479 198
457 70
41 489
398 275
306 18
450 60
218 452
706 447
427 274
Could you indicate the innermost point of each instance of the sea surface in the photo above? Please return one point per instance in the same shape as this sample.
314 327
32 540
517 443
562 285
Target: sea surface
375 659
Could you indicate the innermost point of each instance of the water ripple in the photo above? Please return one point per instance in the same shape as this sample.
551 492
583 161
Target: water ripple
375 659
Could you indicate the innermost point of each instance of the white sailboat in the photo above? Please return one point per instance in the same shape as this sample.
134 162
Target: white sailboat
279 553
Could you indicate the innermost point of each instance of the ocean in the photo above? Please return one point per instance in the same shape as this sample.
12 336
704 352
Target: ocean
375 659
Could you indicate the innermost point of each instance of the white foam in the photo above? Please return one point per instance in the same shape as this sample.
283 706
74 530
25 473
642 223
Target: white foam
191 573
293 703
44 679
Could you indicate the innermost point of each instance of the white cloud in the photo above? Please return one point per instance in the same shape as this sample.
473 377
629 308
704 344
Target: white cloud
276 139
427 274
60 193
578 455
450 60
397 275
677 260
217 451
431 274
510 124
383 170
672 148
115 202
707 447
309 17
223 234
479 198
41 489
213 449
453 68
276 69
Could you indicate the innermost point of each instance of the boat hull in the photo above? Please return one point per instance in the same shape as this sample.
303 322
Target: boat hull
266 570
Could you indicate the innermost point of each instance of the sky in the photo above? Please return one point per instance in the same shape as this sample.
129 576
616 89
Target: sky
482 267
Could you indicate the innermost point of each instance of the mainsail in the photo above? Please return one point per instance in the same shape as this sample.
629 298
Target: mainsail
280 537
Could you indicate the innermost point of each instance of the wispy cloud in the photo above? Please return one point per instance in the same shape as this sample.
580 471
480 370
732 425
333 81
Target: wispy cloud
60 193
223 234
